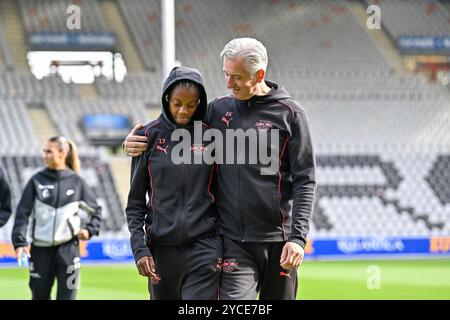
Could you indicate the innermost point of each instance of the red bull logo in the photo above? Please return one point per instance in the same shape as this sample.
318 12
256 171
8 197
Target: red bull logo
263 124
198 148
229 265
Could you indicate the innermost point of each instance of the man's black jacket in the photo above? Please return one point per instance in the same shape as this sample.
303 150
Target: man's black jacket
253 207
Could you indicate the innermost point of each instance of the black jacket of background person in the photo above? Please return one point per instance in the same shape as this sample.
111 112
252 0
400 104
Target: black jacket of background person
254 207
52 198
5 198
181 200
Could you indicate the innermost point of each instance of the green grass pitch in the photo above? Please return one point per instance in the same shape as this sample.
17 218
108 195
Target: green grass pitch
395 279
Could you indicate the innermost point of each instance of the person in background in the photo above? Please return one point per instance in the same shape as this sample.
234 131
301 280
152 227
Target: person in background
52 198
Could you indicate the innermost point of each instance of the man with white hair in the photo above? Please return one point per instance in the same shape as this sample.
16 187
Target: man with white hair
263 238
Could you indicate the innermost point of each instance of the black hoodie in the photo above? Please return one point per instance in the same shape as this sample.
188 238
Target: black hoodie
5 198
254 207
181 201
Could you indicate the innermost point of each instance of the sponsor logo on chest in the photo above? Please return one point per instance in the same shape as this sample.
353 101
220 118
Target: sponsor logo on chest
198 148
263 124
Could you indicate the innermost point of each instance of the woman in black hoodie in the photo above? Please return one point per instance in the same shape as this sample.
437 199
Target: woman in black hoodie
174 234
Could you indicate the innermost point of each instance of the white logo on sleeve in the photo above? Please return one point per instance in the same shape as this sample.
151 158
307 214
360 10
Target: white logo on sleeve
48 186
69 192
45 193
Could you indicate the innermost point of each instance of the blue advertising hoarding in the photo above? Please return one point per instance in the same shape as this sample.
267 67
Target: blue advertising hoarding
72 41
424 44
106 122
119 250
106 129
377 246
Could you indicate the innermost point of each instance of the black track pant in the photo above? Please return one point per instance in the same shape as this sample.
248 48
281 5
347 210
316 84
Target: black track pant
187 272
252 268
62 262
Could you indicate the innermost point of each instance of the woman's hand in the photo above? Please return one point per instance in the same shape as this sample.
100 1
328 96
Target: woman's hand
19 250
146 268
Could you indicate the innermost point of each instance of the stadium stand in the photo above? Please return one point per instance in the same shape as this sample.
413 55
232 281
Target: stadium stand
143 20
424 18
353 127
5 57
16 134
317 37
67 114
359 86
25 86
141 86
49 16
389 195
